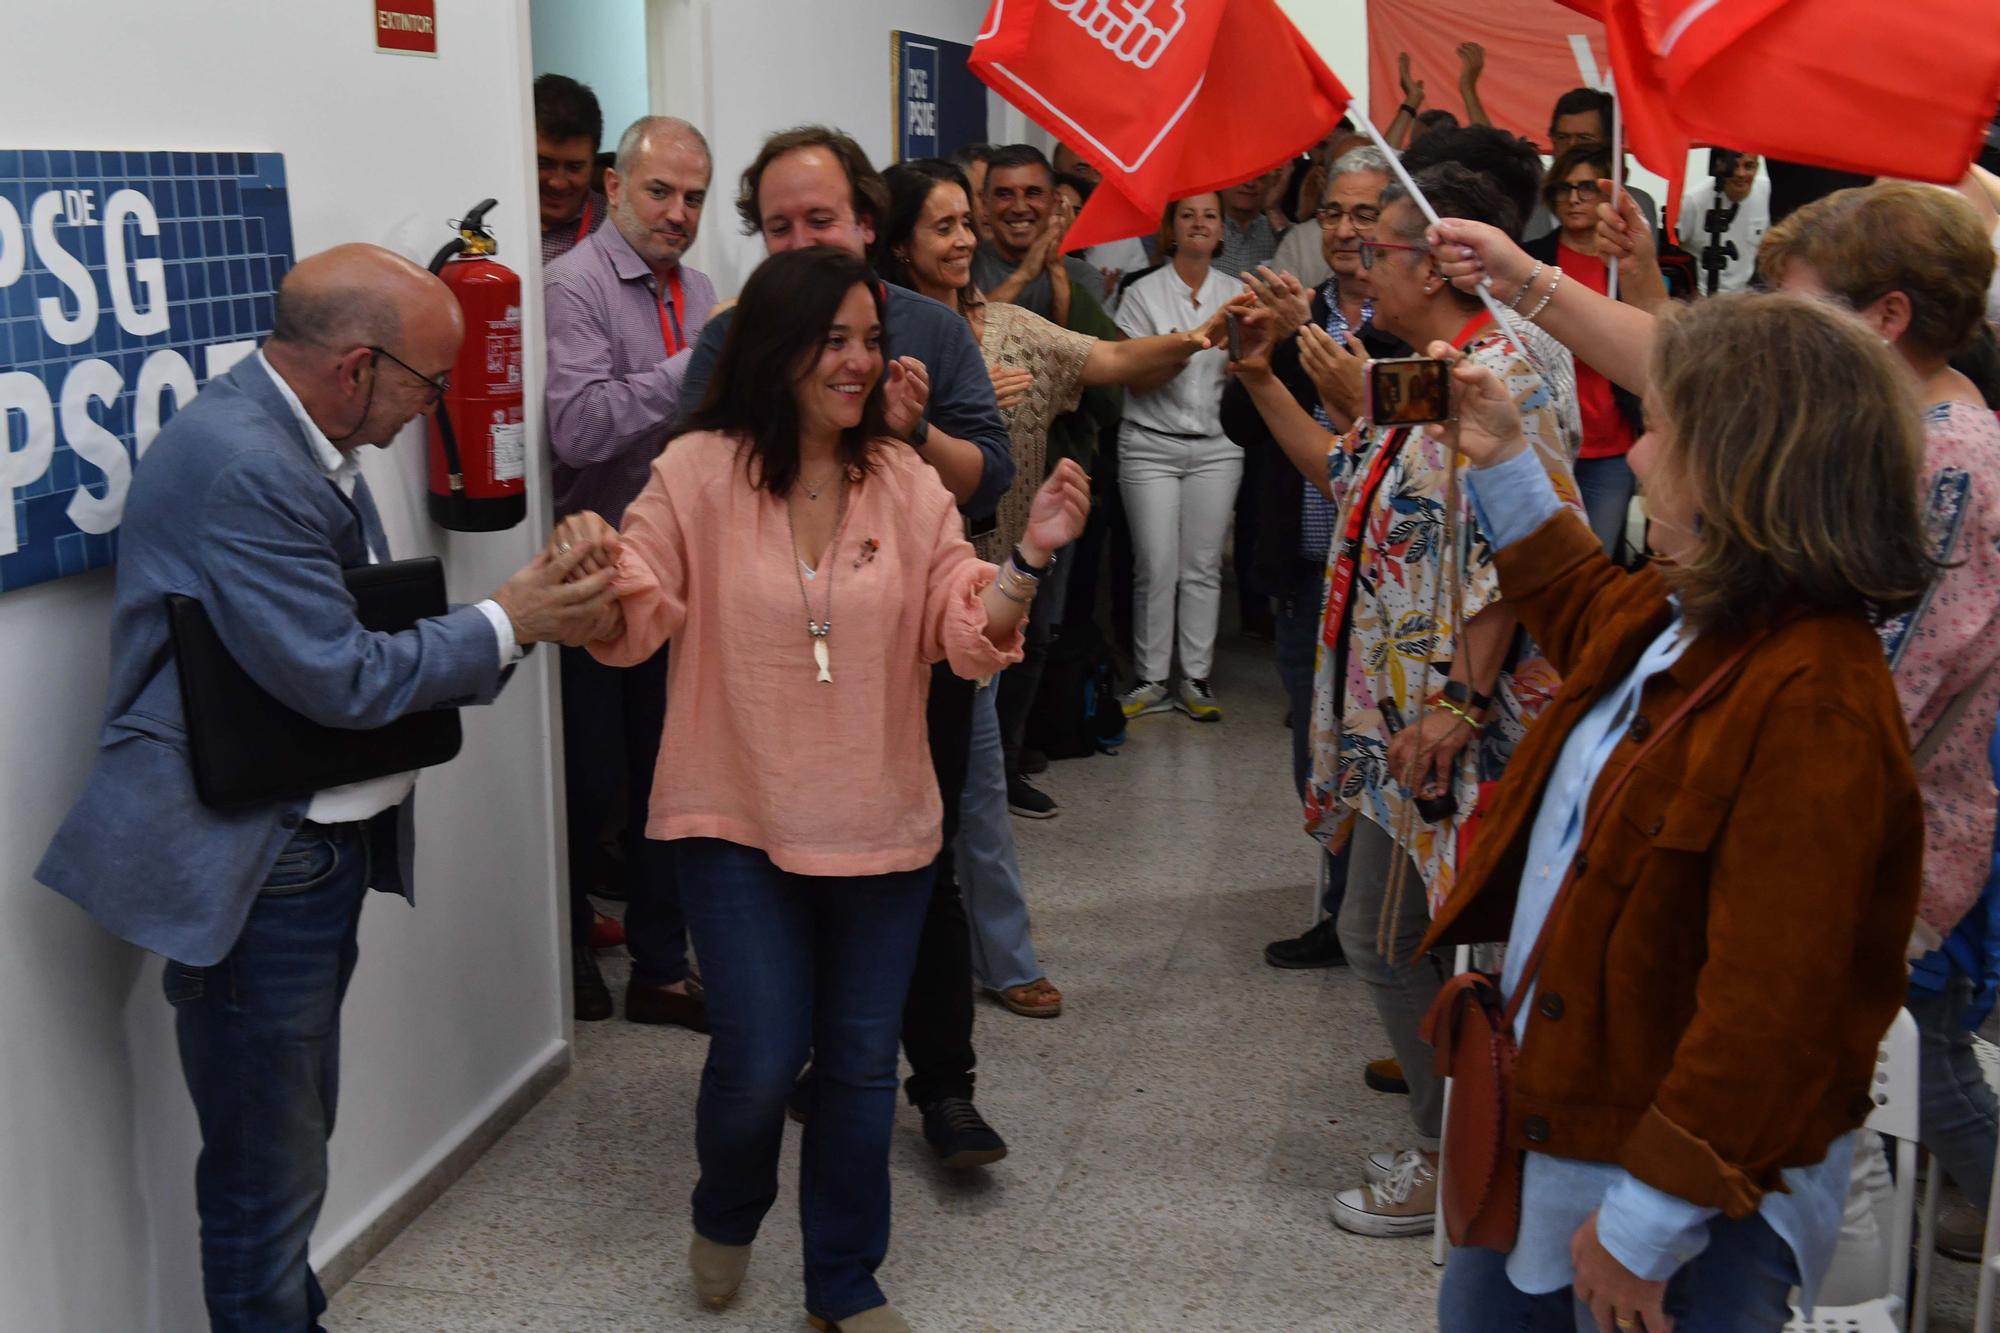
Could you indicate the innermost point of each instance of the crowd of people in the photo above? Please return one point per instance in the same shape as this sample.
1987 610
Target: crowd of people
1666 661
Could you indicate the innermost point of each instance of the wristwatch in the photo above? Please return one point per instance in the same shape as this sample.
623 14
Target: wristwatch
919 435
1465 696
1021 563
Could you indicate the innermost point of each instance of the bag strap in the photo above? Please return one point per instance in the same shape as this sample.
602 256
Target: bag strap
1602 800
1942 728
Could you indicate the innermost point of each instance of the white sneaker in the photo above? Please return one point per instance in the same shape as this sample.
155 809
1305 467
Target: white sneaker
1197 700
1148 696
1377 1167
1405 1204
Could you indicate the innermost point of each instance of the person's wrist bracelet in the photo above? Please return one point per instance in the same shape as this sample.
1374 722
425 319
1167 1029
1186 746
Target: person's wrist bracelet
1536 313
1015 583
918 435
1522 294
1410 107
1444 705
1020 562
1462 694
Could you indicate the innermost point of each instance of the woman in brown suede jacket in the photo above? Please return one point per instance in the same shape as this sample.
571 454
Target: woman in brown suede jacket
1697 1045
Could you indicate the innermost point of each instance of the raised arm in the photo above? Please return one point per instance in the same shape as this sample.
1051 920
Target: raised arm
1398 133
1471 63
1613 338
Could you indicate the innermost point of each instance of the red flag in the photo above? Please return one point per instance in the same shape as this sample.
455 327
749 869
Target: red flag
1849 84
1166 98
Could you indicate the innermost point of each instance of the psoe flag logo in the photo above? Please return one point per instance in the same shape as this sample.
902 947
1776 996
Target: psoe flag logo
127 280
1128 28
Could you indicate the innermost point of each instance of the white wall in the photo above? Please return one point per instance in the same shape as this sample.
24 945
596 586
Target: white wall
601 43
455 1002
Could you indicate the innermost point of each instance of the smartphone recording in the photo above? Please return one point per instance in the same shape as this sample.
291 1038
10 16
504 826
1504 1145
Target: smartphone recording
1409 391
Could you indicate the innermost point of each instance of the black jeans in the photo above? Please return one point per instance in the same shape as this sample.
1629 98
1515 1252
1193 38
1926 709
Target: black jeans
612 720
1107 539
937 1017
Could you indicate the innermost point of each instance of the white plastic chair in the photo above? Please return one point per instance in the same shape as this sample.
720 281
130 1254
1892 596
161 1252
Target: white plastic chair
1895 1114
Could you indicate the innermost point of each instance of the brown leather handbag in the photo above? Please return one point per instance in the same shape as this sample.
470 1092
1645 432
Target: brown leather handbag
1470 1029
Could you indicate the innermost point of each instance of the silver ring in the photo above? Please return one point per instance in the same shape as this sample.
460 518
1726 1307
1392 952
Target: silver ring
562 548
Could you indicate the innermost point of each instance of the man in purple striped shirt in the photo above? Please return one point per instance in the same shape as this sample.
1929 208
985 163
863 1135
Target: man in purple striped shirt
623 317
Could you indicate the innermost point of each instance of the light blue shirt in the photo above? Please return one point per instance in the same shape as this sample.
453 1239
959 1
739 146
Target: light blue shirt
1652 1233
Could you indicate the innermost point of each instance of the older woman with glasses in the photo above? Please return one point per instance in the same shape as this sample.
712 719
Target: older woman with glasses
1423 699
1611 416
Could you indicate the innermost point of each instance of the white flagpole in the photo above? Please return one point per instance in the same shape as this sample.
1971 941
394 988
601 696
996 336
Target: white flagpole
1360 116
1617 174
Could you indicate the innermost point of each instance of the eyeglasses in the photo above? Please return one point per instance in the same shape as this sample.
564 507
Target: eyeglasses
1562 143
1587 191
1362 216
1368 249
439 387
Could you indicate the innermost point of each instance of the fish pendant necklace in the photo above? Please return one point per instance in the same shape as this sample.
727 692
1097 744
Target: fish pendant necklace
818 628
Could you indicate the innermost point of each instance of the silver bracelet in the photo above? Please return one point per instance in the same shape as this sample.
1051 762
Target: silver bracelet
1521 295
1536 313
1015 584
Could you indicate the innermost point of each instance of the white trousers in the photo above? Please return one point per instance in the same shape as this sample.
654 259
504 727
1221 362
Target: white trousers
1179 493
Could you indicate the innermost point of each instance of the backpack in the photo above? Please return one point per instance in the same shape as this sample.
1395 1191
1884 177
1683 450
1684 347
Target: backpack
1076 711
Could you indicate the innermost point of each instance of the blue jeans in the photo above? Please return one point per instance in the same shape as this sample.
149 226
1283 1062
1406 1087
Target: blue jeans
800 966
1741 1283
1606 485
1958 1115
1298 624
260 1049
989 872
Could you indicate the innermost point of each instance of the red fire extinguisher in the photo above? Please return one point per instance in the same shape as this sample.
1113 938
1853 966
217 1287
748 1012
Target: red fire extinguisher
478 454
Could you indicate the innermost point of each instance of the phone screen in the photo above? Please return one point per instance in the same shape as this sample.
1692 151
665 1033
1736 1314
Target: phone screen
1408 391
1235 338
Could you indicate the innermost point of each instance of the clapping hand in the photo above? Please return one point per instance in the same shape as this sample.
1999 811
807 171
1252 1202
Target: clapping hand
1057 514
1339 373
1471 60
1413 88
904 395
1010 384
1488 428
1282 294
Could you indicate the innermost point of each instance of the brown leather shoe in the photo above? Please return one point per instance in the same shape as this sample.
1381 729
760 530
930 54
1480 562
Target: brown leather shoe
1386 1076
667 1008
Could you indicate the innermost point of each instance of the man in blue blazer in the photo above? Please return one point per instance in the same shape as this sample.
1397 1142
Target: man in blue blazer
252 502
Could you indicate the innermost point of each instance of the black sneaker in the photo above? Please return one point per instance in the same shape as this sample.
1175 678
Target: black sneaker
960 1136
592 996
1028 801
798 1105
1318 947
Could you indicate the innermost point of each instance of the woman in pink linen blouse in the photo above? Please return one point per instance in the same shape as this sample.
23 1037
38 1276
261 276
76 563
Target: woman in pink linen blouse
808 571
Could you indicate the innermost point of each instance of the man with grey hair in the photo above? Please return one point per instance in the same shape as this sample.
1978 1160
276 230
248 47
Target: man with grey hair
624 314
252 502
1297 528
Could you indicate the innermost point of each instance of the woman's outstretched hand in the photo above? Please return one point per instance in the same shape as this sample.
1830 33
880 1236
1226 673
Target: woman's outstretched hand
1059 511
1487 424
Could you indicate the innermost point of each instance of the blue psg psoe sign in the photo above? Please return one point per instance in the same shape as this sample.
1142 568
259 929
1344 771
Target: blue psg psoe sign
127 281
940 105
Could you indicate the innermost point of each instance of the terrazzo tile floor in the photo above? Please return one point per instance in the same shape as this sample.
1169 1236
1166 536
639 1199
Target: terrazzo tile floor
1176 1134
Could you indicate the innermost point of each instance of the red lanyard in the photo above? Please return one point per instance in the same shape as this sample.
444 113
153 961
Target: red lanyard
671 335
583 226
1340 583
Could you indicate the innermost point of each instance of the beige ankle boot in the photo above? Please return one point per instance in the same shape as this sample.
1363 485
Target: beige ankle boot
881 1319
718 1270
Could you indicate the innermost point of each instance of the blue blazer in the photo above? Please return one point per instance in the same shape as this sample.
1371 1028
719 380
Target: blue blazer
230 507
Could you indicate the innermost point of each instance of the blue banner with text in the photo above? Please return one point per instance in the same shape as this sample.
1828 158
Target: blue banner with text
127 280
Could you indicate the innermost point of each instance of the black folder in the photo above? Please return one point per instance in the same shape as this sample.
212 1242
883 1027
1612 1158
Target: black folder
248 749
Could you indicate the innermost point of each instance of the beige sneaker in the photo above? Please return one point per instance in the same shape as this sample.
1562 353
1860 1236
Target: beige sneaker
1403 1203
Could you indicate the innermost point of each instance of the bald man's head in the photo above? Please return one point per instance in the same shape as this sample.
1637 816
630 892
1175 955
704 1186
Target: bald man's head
340 313
356 296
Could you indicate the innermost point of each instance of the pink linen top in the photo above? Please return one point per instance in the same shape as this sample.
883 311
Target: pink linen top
825 779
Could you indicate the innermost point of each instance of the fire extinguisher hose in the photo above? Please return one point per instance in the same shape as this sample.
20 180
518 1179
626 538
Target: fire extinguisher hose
447 435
